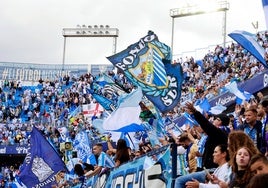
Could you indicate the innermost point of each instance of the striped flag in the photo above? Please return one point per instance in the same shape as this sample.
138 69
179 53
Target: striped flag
248 41
147 64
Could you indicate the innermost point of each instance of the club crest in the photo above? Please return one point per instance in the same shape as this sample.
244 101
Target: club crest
41 169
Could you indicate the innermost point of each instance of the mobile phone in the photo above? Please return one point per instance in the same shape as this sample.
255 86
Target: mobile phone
208 175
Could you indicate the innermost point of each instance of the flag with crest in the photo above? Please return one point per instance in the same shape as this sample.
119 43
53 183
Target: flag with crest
41 163
147 64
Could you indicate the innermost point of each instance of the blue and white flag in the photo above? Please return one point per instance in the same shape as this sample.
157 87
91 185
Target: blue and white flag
74 112
265 9
190 119
233 88
147 64
218 109
247 40
41 164
203 105
106 103
126 117
82 145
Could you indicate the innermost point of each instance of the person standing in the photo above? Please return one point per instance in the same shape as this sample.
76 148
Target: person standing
253 128
104 162
215 135
191 151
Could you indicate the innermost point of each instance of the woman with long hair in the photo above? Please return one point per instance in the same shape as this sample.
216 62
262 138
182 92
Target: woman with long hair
238 139
241 173
122 153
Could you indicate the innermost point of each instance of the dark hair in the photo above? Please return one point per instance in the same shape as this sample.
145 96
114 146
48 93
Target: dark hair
225 120
122 151
258 157
99 145
78 169
224 148
259 181
88 167
264 101
183 137
121 144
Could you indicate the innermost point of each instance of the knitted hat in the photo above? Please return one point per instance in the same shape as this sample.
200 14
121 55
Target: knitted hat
224 119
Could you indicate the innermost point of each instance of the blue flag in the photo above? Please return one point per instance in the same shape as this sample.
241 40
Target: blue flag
232 87
107 104
147 64
126 117
247 41
82 144
41 164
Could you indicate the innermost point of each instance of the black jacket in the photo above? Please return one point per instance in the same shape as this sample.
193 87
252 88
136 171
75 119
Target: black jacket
216 136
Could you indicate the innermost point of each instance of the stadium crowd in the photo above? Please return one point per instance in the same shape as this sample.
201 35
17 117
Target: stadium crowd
51 105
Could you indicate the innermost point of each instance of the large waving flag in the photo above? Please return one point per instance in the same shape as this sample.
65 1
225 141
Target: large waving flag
82 145
147 64
126 117
41 164
233 88
247 41
265 9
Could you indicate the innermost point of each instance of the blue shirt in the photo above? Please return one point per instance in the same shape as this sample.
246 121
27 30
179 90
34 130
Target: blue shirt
105 161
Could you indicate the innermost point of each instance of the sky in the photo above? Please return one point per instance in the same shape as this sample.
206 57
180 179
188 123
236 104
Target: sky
31 30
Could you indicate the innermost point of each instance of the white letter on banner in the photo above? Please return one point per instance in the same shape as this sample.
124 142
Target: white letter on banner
21 74
119 182
152 177
30 78
129 179
17 74
36 75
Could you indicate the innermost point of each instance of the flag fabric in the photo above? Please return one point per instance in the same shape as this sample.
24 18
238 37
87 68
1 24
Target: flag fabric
233 88
247 40
126 117
82 145
104 79
106 92
218 109
147 64
107 104
41 164
201 64
92 109
190 120
203 105
265 9
74 112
